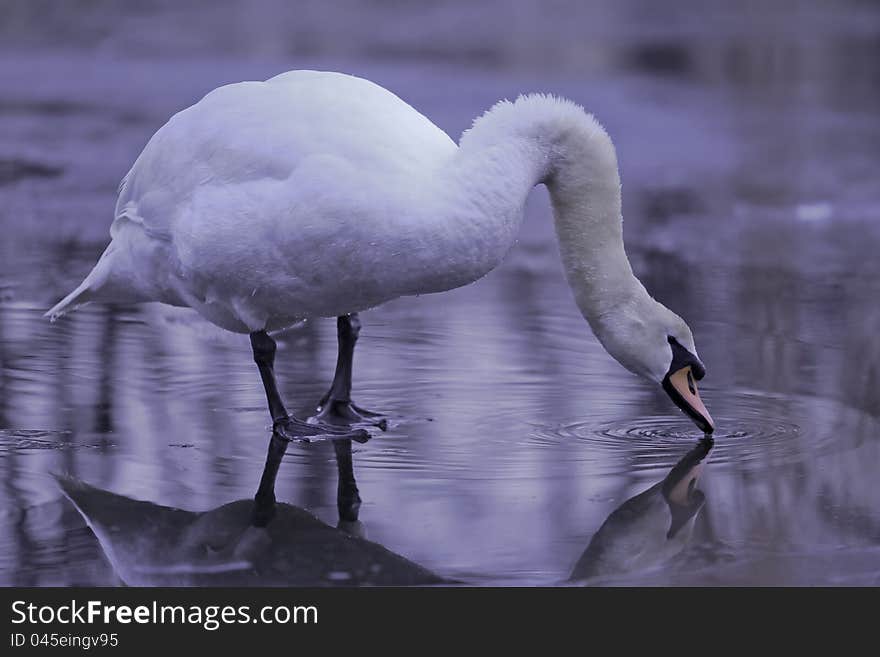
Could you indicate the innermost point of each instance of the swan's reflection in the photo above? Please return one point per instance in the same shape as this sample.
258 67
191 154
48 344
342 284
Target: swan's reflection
652 527
262 542
244 543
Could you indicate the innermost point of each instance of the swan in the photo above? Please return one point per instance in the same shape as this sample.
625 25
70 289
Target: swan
320 194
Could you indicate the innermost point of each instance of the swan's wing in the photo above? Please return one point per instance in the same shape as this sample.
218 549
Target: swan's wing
264 131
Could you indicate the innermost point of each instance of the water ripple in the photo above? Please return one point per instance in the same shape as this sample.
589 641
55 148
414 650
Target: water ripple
20 440
752 429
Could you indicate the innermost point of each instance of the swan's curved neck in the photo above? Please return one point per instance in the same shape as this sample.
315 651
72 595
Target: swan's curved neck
539 139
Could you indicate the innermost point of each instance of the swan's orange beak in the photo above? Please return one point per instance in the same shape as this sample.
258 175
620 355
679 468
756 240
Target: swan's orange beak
682 389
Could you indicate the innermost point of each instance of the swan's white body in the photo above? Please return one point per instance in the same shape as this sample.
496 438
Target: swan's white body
318 194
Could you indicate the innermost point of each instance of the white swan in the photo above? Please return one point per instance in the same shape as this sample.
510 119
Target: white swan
318 194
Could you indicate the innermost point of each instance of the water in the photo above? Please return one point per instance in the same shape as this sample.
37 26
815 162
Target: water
749 174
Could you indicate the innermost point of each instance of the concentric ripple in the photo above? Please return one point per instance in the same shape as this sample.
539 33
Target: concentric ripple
658 430
752 428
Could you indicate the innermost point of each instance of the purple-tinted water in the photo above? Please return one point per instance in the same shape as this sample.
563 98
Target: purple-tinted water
748 145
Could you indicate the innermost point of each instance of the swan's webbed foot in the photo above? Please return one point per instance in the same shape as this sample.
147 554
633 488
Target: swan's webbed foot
293 429
343 413
336 407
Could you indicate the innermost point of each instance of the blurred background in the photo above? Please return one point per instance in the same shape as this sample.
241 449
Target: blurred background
748 136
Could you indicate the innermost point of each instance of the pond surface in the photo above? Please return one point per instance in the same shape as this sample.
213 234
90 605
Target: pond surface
751 206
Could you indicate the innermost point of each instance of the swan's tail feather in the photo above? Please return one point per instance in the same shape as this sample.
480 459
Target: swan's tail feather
79 297
87 290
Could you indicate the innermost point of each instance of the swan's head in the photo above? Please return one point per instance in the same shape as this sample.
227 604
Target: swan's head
650 340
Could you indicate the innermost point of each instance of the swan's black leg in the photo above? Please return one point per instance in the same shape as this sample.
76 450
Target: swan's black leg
264 356
336 406
288 426
348 500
